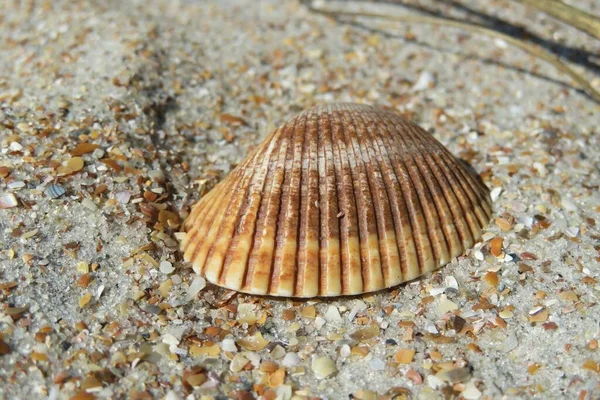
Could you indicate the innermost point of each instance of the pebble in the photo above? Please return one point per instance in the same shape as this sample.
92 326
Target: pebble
54 191
332 315
89 204
8 201
446 305
229 345
15 185
568 204
455 375
377 364
323 367
238 363
166 267
495 193
123 196
197 285
359 306
471 392
291 360
426 80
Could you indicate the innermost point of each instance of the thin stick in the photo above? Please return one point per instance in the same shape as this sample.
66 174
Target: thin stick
573 16
529 48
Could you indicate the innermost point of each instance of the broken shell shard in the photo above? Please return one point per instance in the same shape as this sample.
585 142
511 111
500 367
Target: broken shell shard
342 199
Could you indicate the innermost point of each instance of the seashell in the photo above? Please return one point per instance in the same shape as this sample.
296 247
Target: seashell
342 199
54 191
8 200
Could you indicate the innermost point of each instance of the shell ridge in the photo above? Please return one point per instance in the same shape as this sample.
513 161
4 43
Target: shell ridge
457 211
255 270
454 206
237 235
299 204
430 183
205 203
404 234
459 205
238 206
475 192
376 276
478 188
307 228
200 244
425 197
387 226
413 205
471 193
190 225
330 276
280 210
469 197
393 198
351 213
281 256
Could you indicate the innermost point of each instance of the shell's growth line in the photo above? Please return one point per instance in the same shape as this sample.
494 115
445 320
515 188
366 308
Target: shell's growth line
342 199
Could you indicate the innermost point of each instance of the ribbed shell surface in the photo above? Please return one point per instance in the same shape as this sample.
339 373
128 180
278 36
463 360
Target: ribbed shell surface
342 199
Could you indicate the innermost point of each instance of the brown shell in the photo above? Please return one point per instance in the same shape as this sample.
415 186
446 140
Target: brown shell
342 199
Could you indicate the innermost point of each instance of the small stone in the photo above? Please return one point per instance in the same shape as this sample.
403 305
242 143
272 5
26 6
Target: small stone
83 267
332 315
404 356
166 267
426 81
446 305
238 363
471 392
308 312
84 300
83 148
75 164
496 246
291 360
208 349
414 376
376 364
503 224
363 394
366 333
54 191
197 285
323 367
229 345
165 288
495 193
8 201
278 352
253 343
89 204
538 314
123 196
455 375
491 278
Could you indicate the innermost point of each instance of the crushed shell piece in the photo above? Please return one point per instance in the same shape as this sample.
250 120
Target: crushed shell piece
323 367
8 201
54 191
342 199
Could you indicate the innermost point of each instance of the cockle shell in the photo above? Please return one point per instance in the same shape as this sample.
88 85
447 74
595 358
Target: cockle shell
342 199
